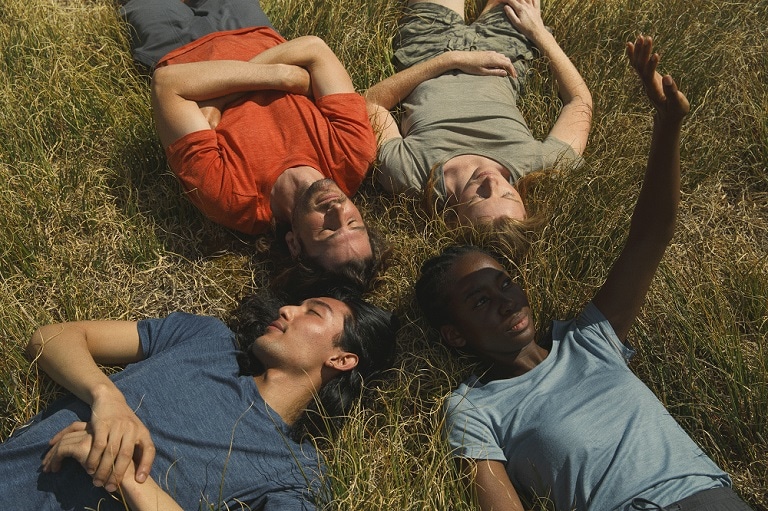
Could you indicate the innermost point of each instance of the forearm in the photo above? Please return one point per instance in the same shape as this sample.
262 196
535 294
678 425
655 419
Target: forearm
572 88
62 352
656 209
327 74
202 81
147 496
392 90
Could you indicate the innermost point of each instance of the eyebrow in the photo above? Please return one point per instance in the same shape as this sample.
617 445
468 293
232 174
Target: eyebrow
338 232
472 292
319 303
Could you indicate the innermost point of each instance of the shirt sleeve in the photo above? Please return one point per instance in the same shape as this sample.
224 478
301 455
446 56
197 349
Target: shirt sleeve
595 333
398 170
468 434
157 335
351 137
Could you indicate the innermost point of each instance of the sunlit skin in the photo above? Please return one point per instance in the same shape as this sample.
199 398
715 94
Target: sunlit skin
304 336
328 226
479 190
491 316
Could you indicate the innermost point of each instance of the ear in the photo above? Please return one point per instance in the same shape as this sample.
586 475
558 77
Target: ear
294 247
343 361
451 336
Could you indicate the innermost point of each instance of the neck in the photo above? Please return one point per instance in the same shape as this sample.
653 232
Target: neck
516 365
286 394
288 188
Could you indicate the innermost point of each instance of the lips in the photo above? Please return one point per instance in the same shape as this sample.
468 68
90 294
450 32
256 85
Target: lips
518 323
277 325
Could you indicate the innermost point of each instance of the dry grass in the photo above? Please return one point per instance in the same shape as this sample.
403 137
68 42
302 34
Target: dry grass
93 224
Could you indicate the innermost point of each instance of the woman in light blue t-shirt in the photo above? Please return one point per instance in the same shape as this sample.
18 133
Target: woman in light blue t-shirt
569 420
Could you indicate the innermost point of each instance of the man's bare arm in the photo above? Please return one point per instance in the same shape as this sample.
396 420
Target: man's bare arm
70 353
385 95
177 89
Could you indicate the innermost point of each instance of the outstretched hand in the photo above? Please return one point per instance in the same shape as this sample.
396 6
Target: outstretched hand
488 63
671 104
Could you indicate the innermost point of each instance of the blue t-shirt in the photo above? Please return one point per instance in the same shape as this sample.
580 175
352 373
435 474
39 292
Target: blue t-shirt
216 439
580 427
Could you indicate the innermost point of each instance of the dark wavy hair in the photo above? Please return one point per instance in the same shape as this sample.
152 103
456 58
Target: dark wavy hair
356 274
308 273
432 288
369 332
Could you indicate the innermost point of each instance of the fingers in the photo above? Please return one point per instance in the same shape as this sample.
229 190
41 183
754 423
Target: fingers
74 443
75 426
640 56
146 456
110 457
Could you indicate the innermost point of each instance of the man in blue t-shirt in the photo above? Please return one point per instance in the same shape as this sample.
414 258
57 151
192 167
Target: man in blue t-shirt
193 420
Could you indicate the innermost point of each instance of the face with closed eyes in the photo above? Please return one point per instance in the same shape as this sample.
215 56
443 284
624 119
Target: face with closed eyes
488 195
490 314
304 337
328 227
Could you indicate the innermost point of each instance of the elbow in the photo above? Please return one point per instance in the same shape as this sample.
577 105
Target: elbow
314 47
162 78
35 345
158 77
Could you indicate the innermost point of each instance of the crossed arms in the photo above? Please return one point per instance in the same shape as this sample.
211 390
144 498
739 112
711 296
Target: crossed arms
114 447
305 65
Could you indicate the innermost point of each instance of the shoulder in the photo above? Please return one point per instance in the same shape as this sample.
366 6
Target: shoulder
592 330
345 104
182 328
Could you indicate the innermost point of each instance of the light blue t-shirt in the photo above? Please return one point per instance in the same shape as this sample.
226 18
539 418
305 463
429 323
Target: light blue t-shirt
580 427
216 438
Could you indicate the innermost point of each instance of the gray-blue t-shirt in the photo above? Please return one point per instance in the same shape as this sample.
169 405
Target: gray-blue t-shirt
216 438
580 427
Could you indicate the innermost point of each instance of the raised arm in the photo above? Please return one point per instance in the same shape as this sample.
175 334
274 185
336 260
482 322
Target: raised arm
177 89
385 95
575 119
653 220
70 353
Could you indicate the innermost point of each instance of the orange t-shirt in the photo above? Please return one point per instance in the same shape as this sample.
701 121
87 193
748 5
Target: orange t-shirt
229 172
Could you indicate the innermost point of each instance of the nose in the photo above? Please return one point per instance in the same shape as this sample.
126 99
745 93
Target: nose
488 187
287 312
507 305
334 216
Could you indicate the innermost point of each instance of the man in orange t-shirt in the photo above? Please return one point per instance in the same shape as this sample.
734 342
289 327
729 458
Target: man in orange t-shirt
258 128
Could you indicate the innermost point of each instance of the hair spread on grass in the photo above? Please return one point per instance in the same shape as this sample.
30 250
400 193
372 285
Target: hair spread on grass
95 226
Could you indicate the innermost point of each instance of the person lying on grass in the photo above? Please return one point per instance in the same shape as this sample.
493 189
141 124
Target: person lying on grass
462 141
194 420
563 417
260 129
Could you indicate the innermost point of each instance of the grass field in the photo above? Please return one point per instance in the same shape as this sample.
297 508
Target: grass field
93 224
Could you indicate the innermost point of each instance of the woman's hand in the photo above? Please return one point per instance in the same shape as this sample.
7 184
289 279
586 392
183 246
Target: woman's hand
488 63
525 16
670 103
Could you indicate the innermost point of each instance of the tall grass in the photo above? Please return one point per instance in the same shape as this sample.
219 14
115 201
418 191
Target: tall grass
94 226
